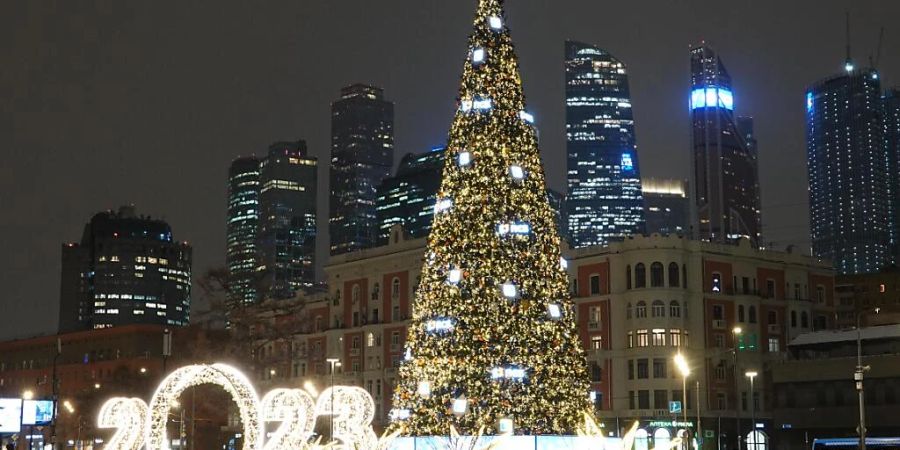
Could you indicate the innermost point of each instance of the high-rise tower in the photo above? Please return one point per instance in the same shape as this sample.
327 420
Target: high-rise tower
725 172
604 182
408 197
242 228
892 139
362 155
287 225
127 269
850 201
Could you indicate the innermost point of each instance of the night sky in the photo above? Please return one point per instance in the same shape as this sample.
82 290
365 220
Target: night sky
111 102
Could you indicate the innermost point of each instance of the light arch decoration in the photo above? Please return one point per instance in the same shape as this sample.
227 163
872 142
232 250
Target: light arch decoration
230 379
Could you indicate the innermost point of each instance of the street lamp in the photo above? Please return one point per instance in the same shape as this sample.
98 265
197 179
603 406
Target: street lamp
334 362
858 377
28 394
752 375
735 334
685 370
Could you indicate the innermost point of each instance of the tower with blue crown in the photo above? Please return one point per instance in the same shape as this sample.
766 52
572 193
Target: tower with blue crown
493 342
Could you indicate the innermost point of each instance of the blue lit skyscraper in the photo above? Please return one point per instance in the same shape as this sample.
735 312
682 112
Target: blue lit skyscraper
604 199
408 197
725 172
850 203
241 229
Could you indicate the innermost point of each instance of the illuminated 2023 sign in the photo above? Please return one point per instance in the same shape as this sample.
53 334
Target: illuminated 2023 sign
352 410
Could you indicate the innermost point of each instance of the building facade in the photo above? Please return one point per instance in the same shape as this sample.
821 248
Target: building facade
362 155
241 230
604 200
127 269
639 302
892 139
859 296
850 201
408 198
725 172
666 206
287 227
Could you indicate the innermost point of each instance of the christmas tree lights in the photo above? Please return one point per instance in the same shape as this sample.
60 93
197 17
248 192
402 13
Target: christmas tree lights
512 355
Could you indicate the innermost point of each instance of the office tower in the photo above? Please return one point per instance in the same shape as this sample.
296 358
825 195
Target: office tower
242 229
725 172
287 224
849 189
408 197
127 269
362 155
666 206
558 204
892 138
604 200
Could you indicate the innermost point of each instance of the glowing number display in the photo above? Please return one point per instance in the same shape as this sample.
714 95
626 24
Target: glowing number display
352 413
127 416
295 409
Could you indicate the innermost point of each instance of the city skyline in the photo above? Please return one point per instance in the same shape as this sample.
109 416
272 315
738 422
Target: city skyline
100 134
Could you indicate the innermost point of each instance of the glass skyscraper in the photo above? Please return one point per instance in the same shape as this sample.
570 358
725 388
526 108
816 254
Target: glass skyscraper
408 198
892 138
725 172
667 206
362 155
241 230
850 200
127 269
604 199
271 224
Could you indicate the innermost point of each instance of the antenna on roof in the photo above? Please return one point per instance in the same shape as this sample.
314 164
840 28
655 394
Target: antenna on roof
848 63
878 49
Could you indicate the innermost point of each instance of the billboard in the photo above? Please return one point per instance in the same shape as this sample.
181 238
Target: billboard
10 415
37 412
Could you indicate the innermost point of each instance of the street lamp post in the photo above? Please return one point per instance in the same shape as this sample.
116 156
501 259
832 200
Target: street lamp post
685 370
858 377
334 362
736 333
752 375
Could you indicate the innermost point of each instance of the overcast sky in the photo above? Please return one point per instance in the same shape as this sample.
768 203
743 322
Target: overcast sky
119 101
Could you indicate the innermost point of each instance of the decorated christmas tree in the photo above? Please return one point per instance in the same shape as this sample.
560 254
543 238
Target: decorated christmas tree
493 339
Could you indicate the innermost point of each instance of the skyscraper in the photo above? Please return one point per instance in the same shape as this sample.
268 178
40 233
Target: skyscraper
725 172
666 206
408 197
127 269
849 189
892 138
604 200
242 229
287 224
362 155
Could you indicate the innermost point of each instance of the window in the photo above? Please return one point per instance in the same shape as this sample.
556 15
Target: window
657 275
370 340
395 289
716 282
596 342
720 340
354 344
745 285
628 276
594 317
804 319
752 314
740 313
660 399
684 276
659 308
675 337
659 368
355 318
628 310
659 337
640 276
796 291
596 372
644 399
793 319
820 294
718 312
772 318
597 396
774 345
770 288
354 294
721 402
630 339
720 371
376 289
641 310
631 403
595 284
643 371
673 275
395 338
643 338
630 369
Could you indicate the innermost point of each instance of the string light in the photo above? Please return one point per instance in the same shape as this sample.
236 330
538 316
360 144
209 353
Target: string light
352 413
295 409
128 416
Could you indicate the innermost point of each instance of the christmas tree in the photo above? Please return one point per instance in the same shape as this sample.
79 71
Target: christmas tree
493 339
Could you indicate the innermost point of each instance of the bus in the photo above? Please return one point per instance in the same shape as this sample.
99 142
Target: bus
873 443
